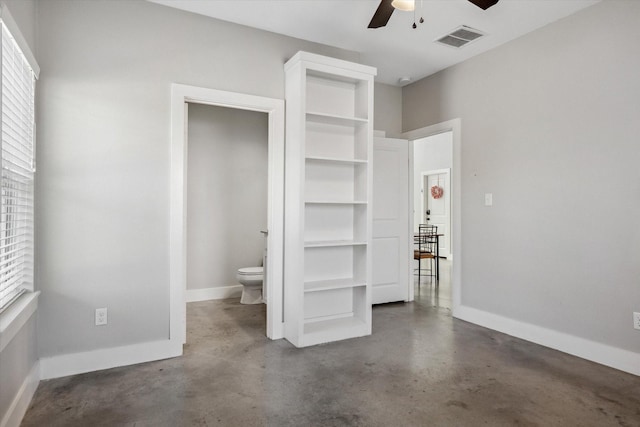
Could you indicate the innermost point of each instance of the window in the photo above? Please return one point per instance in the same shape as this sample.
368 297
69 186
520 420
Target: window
17 157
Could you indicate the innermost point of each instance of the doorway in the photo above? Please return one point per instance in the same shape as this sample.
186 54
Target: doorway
180 96
432 161
226 199
450 132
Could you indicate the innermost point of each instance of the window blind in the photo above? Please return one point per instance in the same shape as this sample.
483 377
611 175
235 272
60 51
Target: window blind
18 170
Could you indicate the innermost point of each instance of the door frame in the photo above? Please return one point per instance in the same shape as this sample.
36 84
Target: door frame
454 126
423 176
180 96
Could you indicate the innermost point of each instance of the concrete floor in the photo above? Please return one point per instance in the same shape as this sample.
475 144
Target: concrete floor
419 368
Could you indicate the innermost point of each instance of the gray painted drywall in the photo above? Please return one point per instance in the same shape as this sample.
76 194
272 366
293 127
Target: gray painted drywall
387 109
16 361
550 127
24 13
227 193
104 154
21 354
431 153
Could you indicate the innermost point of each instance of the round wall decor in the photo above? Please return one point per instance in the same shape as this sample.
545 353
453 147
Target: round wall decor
436 191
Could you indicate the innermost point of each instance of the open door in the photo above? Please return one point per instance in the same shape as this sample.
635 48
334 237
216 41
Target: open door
391 233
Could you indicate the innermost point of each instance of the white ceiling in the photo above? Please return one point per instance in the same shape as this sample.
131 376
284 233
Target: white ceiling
397 50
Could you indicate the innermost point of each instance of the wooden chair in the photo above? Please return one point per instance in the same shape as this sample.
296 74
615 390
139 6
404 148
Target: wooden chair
425 243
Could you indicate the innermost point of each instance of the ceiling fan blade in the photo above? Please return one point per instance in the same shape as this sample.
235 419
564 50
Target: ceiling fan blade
382 15
484 4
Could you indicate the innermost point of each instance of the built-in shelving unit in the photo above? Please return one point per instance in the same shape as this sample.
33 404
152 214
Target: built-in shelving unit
329 136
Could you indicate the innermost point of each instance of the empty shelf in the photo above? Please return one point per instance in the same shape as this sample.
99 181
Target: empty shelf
336 202
334 119
333 243
336 160
325 285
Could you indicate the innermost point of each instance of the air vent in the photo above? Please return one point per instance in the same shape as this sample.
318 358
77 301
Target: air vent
461 36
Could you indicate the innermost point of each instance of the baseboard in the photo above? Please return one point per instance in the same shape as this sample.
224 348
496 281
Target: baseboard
222 292
613 357
22 400
96 360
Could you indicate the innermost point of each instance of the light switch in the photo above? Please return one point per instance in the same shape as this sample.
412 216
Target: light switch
488 199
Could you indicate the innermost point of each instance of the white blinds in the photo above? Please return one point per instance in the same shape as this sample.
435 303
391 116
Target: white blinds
18 168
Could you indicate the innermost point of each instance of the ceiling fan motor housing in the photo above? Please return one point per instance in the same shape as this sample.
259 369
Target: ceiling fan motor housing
385 10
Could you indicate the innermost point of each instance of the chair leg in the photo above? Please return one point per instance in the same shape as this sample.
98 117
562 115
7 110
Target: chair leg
432 274
435 273
419 271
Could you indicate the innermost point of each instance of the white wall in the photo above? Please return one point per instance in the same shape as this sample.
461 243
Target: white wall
550 127
431 153
104 154
227 193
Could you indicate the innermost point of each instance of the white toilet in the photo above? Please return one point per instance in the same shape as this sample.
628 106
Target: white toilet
251 280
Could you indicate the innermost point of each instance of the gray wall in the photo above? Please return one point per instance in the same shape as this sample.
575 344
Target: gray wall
432 153
387 109
550 127
20 355
104 154
24 12
227 193
16 361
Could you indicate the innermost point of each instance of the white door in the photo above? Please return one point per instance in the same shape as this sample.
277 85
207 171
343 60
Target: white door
436 191
390 220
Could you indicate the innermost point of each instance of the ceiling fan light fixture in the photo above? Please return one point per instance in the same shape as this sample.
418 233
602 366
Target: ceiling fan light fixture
405 5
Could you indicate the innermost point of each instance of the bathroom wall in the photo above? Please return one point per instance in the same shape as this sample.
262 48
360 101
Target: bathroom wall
226 195
432 153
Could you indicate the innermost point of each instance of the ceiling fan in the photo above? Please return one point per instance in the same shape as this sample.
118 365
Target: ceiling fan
386 8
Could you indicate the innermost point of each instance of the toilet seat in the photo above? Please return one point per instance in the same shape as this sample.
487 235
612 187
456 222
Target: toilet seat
250 271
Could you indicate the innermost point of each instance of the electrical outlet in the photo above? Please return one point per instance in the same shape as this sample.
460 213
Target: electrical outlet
488 199
101 316
636 320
